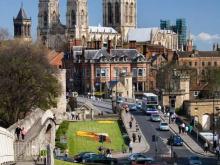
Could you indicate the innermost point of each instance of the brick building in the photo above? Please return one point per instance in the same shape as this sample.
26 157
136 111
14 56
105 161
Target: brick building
92 70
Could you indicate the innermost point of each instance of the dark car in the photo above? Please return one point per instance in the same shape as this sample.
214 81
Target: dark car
101 159
132 107
83 156
175 140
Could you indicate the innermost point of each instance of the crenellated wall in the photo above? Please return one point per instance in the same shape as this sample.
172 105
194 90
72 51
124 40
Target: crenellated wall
6 146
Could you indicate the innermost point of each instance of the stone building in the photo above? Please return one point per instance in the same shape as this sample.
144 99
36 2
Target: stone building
22 26
94 70
77 31
155 36
121 15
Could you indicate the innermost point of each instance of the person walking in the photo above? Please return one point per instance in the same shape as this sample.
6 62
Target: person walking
134 137
23 132
73 115
190 129
18 132
186 129
139 138
183 127
137 127
130 147
180 128
130 124
217 151
206 146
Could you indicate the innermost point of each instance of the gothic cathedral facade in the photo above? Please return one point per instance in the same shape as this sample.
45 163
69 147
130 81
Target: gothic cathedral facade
121 15
117 14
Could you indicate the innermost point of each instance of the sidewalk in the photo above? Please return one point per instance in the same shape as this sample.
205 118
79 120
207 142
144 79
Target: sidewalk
190 143
137 147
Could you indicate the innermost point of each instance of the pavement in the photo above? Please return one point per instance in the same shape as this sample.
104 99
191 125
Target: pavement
188 141
141 147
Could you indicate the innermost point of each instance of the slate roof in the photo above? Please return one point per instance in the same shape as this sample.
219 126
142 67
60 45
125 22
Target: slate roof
129 53
22 14
199 54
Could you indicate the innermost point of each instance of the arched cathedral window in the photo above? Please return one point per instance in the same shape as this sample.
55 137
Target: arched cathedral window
110 13
131 12
117 13
126 12
45 16
54 16
73 18
82 17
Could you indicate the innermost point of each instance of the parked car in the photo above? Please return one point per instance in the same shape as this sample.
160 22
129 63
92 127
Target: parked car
132 107
175 140
164 126
83 156
101 159
120 100
195 160
139 156
155 117
139 105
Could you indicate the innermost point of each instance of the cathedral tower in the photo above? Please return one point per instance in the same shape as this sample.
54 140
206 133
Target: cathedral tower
120 14
77 19
48 16
22 26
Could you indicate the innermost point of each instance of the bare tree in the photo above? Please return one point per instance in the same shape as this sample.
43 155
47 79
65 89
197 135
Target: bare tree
27 81
4 34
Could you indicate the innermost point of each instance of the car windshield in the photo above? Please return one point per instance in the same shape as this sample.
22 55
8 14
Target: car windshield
155 116
164 124
195 158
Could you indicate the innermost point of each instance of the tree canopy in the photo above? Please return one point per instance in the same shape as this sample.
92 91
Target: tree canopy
27 81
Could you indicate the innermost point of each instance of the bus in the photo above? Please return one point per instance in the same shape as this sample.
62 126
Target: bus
150 103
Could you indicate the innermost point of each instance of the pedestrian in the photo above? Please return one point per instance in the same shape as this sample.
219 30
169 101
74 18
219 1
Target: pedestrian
23 132
180 128
139 138
130 124
18 132
206 146
186 129
183 127
73 115
214 144
217 150
137 127
190 129
134 137
130 147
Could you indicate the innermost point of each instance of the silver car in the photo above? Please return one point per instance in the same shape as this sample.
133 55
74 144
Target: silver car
164 126
155 117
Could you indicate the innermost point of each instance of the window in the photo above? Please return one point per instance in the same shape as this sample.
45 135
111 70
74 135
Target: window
116 72
134 72
196 93
45 19
215 63
124 70
203 63
126 12
104 72
73 18
98 72
190 63
131 12
209 63
195 63
140 86
110 13
140 72
117 13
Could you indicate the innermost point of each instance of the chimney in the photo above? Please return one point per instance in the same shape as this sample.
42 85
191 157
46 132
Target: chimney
132 44
109 46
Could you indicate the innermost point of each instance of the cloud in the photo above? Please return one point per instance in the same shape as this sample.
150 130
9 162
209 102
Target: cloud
206 37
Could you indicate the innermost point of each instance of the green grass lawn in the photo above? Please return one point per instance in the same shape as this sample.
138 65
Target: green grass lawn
59 162
77 144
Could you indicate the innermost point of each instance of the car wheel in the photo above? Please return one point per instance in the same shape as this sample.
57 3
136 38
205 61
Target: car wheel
112 163
83 161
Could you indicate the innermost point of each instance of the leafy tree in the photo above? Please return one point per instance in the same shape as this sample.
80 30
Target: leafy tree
27 81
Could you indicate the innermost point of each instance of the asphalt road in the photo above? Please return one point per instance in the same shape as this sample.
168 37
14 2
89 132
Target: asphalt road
150 128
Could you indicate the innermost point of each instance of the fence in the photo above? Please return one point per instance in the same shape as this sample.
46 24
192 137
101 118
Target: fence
6 146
